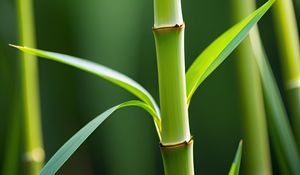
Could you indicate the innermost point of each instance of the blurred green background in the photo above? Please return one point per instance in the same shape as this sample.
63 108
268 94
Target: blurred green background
117 33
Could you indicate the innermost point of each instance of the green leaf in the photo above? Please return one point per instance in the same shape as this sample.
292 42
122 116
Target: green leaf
97 69
219 50
65 152
235 166
277 118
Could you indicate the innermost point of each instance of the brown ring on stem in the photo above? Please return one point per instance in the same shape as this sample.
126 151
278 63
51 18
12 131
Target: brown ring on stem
168 28
177 145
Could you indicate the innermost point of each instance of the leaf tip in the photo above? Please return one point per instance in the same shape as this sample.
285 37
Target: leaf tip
15 46
240 147
241 143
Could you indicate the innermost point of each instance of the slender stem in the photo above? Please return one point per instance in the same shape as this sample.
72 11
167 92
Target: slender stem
169 40
256 137
288 43
34 152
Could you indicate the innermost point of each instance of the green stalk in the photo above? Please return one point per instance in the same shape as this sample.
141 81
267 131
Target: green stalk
257 151
175 135
34 153
288 43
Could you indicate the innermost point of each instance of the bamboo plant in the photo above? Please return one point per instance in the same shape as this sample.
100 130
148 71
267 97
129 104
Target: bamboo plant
176 87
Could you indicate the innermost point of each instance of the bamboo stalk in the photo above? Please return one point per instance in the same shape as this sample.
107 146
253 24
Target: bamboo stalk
169 40
34 153
254 120
288 43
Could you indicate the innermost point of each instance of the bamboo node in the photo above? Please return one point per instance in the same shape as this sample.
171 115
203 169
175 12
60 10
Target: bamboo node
168 28
177 145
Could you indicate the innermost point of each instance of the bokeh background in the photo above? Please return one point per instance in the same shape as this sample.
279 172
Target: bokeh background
117 33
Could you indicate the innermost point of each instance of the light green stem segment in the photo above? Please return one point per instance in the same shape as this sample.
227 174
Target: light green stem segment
288 43
34 152
172 88
256 134
178 159
167 13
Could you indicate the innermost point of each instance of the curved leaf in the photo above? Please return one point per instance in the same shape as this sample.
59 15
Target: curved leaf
97 69
235 166
65 152
218 51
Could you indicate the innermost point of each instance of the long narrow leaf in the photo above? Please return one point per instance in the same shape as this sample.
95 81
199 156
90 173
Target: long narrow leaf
97 69
280 130
219 50
235 167
65 152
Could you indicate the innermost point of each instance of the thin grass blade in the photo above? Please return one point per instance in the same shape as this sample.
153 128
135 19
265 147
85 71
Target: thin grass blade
277 118
65 152
99 70
235 166
219 50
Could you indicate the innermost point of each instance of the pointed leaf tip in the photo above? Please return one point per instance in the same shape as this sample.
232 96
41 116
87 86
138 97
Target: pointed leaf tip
235 167
15 46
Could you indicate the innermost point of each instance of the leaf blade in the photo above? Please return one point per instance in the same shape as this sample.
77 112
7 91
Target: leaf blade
66 151
219 50
102 71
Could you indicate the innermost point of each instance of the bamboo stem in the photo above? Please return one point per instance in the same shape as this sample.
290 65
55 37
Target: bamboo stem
256 136
169 41
34 153
288 43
